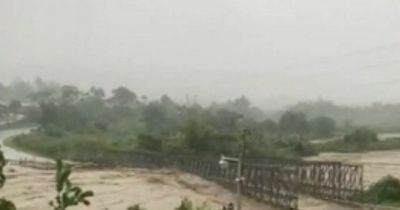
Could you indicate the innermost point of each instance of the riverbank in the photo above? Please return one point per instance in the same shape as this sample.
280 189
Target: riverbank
10 151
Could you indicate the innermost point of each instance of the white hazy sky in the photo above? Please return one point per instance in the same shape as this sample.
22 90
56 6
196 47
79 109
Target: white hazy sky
274 51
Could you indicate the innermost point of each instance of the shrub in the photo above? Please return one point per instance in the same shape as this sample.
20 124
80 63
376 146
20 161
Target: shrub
7 205
186 204
361 136
385 190
149 142
53 131
135 207
362 139
302 148
4 203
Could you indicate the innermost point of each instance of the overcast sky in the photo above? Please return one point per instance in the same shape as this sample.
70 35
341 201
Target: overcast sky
273 51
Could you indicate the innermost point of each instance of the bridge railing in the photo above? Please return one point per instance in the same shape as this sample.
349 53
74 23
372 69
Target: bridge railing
276 181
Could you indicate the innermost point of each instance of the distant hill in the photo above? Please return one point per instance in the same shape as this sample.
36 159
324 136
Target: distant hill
384 117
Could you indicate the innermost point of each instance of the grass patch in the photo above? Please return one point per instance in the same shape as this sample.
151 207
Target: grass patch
68 144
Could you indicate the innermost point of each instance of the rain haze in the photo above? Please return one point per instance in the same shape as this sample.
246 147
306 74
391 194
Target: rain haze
275 52
199 105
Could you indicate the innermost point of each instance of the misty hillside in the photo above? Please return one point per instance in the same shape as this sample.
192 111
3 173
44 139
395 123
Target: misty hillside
377 115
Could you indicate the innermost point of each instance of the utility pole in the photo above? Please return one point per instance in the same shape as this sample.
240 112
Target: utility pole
224 161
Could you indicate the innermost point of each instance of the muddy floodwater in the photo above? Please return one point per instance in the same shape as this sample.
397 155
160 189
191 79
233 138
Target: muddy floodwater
116 189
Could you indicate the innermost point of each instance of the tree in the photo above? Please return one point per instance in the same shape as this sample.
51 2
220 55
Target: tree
227 120
167 101
49 114
15 106
42 95
20 89
386 190
45 91
362 137
323 126
123 97
268 126
155 117
97 92
196 136
293 122
241 104
149 142
3 91
69 93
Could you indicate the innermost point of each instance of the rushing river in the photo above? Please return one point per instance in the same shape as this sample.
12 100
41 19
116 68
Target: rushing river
11 153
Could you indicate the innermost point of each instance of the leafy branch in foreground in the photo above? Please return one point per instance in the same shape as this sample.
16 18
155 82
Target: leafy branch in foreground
67 194
4 204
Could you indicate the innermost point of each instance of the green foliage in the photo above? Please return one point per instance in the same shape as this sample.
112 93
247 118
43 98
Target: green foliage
360 140
3 163
302 148
73 121
97 92
186 204
54 131
361 136
322 126
123 97
378 116
294 123
155 116
268 126
135 207
226 120
196 136
17 90
68 145
15 106
69 93
290 148
386 190
149 142
67 194
7 205
342 146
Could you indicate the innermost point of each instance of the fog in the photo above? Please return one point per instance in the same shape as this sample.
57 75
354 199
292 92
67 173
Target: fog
275 52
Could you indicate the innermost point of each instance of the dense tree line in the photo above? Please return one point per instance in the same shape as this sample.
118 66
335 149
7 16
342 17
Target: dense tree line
166 126
377 115
126 120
